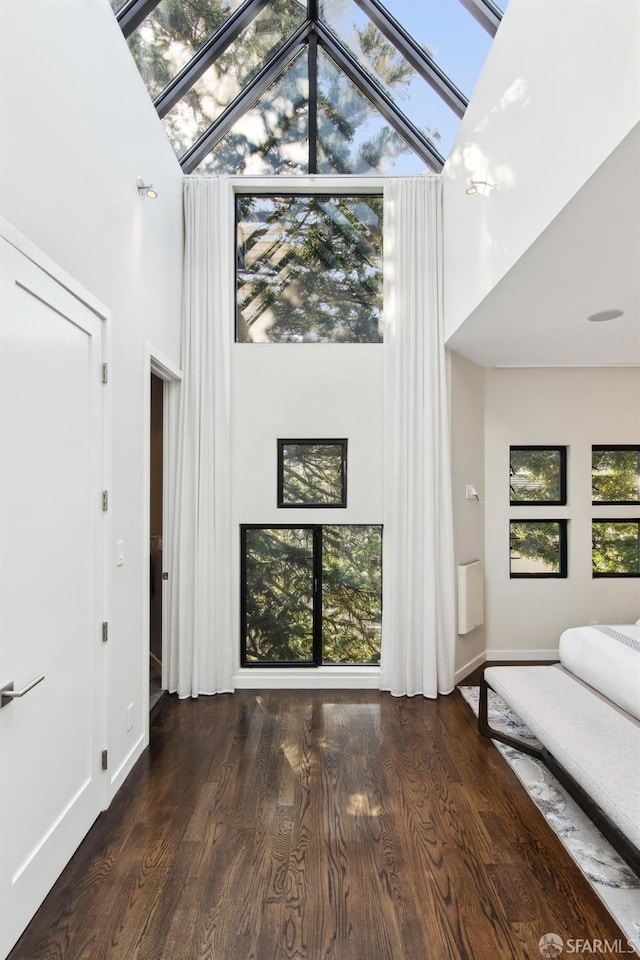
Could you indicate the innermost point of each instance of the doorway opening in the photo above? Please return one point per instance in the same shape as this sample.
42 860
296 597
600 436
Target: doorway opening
156 500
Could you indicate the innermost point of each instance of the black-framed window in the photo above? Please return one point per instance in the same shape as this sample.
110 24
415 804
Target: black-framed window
615 547
308 268
615 474
537 476
538 548
312 473
311 594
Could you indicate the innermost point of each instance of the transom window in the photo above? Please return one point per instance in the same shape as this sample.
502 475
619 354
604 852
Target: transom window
310 86
308 269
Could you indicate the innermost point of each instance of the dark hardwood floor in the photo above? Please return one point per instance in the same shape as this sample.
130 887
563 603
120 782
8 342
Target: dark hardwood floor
317 826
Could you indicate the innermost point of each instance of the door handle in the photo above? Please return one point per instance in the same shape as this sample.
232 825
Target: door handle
8 694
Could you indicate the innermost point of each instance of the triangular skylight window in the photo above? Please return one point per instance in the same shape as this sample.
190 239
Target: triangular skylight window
339 86
272 136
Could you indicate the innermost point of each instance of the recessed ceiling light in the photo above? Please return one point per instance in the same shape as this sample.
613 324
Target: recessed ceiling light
605 315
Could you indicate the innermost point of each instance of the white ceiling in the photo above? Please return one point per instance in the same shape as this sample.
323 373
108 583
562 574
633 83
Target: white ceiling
587 260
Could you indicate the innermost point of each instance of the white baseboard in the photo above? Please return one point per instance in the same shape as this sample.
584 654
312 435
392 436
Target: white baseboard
522 655
125 768
317 678
468 667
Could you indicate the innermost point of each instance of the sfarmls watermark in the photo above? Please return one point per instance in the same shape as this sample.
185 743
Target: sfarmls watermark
551 945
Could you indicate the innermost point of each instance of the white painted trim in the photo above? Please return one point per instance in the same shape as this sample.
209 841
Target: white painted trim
107 538
120 775
522 655
468 667
162 367
169 450
28 249
560 366
156 363
310 183
51 268
313 678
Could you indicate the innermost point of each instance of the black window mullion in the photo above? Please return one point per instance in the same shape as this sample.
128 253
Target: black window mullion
486 13
413 53
131 14
380 99
248 96
217 43
317 595
313 102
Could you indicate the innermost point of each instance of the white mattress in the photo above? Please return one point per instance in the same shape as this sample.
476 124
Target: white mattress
607 657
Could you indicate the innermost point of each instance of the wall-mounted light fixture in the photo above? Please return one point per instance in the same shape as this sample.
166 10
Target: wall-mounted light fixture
145 190
473 185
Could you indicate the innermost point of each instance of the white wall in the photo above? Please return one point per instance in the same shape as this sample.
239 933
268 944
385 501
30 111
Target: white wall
576 408
559 91
77 127
467 467
302 391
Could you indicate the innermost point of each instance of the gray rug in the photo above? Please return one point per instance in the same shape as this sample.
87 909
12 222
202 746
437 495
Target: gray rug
614 882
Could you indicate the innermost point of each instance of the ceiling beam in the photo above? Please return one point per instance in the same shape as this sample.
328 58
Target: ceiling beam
415 55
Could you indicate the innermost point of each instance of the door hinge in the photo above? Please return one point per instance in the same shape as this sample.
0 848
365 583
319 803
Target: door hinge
105 499
105 761
105 373
105 631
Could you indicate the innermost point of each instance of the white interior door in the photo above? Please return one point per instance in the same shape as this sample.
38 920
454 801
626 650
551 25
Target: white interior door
51 522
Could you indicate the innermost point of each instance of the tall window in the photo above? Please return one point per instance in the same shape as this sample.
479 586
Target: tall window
308 269
311 595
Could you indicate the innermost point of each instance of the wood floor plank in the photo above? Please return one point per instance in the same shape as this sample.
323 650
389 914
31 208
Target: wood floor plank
311 825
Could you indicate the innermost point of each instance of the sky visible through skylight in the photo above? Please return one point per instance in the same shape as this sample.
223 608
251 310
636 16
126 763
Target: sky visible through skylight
353 136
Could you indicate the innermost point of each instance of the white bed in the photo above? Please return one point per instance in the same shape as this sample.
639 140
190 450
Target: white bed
607 657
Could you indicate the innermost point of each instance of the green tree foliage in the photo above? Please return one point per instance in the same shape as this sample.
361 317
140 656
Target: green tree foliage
351 594
616 547
312 473
616 476
172 33
535 475
537 542
272 136
279 594
310 269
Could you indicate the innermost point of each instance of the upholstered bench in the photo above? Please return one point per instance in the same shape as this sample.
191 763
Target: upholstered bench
590 744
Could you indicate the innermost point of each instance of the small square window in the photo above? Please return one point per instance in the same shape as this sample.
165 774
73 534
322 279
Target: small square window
615 474
312 473
537 475
538 548
615 548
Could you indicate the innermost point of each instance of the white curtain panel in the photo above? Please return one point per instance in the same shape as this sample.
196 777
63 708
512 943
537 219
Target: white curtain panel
200 629
418 619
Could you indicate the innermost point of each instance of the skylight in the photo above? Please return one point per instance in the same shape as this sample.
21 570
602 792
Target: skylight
310 86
